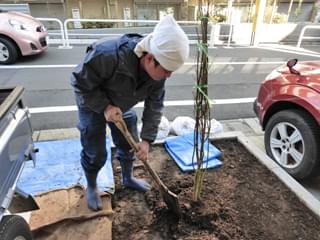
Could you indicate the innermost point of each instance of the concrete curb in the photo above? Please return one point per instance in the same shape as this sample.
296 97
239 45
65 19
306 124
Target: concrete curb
305 197
253 147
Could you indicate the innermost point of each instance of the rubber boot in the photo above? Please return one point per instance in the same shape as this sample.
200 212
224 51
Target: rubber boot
93 198
128 180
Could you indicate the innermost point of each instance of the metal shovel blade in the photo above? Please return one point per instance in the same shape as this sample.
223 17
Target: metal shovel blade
169 197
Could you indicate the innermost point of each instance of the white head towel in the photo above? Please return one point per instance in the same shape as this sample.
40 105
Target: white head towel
168 43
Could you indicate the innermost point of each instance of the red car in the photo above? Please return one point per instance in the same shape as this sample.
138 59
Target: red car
288 108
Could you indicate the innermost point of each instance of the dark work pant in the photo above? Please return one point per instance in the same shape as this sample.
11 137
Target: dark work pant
92 127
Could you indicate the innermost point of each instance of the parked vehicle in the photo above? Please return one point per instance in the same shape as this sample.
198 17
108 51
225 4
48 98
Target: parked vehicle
20 35
16 147
288 107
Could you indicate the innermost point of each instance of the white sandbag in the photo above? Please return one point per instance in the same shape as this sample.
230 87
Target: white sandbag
163 129
182 125
185 125
215 127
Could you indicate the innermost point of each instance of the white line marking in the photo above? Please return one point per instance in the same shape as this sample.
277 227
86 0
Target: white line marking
187 64
140 105
239 63
53 109
38 66
290 49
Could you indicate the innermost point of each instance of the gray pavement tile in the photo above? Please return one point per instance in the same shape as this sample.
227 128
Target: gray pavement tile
56 134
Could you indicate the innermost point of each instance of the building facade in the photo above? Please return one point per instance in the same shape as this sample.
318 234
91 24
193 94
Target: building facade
295 10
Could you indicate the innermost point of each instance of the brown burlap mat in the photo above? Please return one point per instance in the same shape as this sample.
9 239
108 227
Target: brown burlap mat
64 215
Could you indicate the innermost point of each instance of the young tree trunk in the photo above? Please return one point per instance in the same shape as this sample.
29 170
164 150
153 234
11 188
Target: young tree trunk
202 102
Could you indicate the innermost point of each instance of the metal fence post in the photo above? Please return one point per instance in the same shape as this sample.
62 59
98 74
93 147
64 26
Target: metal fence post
61 28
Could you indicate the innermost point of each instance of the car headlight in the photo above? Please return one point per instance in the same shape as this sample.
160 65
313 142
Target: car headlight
20 26
274 74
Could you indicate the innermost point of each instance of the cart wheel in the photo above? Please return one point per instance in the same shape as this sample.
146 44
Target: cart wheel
14 227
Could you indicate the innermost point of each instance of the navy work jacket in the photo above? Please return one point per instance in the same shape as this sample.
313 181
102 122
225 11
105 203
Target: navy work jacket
111 74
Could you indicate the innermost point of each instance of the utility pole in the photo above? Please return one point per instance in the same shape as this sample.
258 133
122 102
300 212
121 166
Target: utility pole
257 21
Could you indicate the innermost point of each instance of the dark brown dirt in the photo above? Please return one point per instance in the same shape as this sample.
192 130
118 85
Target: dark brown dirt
240 200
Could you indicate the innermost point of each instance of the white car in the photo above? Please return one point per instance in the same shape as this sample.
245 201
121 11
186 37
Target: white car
20 35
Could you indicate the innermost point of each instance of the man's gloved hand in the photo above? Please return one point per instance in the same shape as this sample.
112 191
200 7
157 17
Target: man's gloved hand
112 113
143 152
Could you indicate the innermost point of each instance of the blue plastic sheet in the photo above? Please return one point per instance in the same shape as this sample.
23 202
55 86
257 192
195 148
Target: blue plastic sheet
58 166
181 150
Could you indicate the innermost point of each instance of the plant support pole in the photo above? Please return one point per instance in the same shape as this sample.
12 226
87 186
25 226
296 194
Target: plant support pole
202 102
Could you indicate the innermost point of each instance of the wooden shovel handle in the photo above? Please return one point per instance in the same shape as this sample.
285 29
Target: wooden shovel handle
121 125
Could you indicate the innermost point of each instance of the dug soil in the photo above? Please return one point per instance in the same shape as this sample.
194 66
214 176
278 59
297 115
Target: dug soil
240 200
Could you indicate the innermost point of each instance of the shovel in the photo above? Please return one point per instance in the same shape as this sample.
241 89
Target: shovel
169 197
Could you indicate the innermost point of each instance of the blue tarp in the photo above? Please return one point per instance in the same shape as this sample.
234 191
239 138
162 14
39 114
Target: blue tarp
181 150
58 166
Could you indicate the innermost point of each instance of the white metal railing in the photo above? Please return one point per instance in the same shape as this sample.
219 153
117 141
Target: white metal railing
71 20
60 25
308 37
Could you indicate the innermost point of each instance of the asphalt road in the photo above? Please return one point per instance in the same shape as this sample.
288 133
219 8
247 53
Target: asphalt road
234 79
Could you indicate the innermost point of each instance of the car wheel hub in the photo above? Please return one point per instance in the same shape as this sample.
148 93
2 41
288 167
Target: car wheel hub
287 145
4 52
19 238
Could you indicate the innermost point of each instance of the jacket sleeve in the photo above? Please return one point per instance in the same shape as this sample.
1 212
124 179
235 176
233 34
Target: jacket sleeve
89 77
152 112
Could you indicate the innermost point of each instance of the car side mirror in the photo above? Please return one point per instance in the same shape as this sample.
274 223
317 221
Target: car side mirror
290 64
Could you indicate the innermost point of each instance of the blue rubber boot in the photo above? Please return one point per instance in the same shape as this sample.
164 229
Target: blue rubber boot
93 198
128 180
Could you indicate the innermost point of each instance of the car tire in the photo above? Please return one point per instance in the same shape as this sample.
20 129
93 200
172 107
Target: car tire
296 149
8 51
14 227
